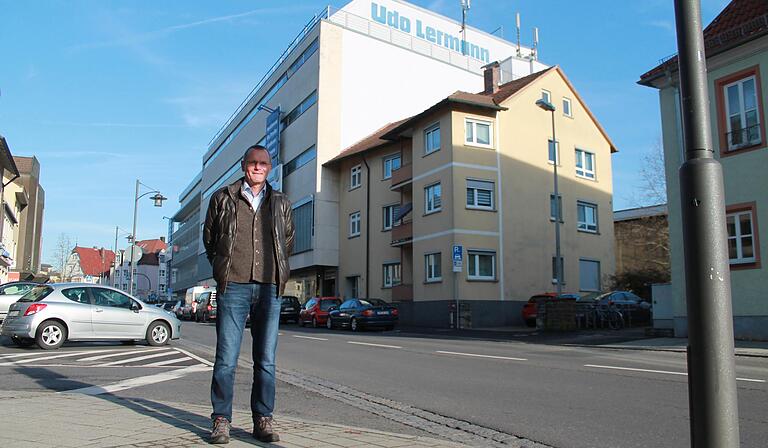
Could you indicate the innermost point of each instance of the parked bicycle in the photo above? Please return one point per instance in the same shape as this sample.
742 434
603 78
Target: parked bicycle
608 316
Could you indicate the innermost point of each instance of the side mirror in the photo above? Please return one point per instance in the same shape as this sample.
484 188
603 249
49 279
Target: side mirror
135 307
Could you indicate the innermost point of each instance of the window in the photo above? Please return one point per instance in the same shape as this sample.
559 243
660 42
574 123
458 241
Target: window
391 163
552 211
546 96
481 265
391 274
389 213
300 109
589 275
79 295
110 298
16 289
432 139
355 177
478 132
742 116
303 222
567 107
432 199
162 272
480 194
741 237
587 216
432 268
554 271
162 287
300 160
554 152
354 224
585 164
125 286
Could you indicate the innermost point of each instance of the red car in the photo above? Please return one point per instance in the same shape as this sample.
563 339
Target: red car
531 309
315 311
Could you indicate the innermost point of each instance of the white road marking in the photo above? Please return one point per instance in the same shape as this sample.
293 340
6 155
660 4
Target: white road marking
473 355
120 353
19 355
310 337
192 355
632 369
138 382
170 361
140 358
373 345
43 358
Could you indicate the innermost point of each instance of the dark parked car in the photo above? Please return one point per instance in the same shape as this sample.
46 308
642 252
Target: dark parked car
173 306
290 307
629 304
357 314
206 307
316 309
531 309
11 292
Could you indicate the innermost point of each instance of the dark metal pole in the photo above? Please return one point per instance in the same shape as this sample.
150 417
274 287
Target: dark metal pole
558 256
368 229
712 378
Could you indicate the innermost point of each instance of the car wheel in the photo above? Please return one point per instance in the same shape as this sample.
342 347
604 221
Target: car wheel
314 322
354 326
158 334
329 324
22 342
51 335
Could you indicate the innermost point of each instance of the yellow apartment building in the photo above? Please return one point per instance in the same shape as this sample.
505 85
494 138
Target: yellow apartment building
475 170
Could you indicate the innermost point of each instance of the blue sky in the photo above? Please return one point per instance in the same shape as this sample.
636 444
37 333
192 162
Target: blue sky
104 92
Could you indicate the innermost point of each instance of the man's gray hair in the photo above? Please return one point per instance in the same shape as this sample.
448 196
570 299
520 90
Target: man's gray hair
254 148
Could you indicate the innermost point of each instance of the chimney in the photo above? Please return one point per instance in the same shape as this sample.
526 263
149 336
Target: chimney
492 76
162 238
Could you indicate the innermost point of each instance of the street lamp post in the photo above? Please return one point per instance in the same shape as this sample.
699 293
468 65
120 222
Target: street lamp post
547 106
158 199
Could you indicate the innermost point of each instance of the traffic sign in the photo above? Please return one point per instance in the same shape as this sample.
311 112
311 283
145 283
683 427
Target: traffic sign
458 258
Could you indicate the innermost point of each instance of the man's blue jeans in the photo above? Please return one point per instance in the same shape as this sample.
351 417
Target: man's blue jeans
238 300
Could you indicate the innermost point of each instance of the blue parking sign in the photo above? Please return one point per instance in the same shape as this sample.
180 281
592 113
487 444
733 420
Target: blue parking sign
458 253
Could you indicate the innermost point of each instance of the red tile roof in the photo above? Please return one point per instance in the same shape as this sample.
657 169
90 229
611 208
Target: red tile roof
371 141
152 246
740 22
95 262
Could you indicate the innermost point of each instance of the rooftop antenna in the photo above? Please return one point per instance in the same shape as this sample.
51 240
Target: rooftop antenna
465 5
535 52
517 22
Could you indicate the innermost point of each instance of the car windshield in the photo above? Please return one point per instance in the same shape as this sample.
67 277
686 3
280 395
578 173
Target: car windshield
590 296
373 302
15 288
290 301
37 294
326 305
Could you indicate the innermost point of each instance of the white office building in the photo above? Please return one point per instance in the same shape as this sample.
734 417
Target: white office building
348 72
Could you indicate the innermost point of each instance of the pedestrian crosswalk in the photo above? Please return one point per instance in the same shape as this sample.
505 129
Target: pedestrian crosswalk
167 357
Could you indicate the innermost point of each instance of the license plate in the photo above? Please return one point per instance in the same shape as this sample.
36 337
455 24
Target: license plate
13 313
382 313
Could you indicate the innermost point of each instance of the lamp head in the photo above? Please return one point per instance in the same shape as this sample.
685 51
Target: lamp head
158 198
546 105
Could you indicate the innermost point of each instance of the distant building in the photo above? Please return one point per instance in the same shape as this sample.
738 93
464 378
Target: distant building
88 265
8 170
736 44
150 279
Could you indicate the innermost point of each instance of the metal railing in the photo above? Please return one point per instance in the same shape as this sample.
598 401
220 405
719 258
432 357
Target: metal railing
741 138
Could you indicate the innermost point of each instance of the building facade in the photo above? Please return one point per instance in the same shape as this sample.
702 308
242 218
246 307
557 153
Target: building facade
642 239
29 246
88 265
737 55
8 171
476 171
339 80
150 276
185 241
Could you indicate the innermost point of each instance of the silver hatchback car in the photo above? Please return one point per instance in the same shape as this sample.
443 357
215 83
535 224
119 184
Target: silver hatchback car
53 313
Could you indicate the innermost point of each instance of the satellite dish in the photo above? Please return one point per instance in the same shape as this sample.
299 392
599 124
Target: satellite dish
137 253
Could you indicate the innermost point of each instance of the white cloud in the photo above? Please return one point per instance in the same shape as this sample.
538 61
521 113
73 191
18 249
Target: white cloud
663 24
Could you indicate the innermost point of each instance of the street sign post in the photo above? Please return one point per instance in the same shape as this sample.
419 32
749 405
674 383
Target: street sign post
458 264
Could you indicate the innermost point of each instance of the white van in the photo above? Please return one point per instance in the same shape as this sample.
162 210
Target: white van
191 300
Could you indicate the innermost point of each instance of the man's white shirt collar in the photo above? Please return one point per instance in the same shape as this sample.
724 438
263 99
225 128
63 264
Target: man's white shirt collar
254 200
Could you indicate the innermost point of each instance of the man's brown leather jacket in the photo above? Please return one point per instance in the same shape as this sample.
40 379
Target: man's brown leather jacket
221 227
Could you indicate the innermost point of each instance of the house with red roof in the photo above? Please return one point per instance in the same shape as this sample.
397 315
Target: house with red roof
88 265
736 46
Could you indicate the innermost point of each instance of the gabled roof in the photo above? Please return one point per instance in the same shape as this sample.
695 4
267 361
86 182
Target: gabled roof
510 88
93 261
369 142
740 22
640 212
152 246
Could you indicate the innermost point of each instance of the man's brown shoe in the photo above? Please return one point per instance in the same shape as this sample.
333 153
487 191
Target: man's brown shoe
220 431
262 430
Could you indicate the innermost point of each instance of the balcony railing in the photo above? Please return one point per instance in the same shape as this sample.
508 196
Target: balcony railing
402 293
741 138
402 234
401 176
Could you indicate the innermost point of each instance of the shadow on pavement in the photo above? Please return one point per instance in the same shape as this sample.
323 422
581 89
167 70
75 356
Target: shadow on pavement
196 424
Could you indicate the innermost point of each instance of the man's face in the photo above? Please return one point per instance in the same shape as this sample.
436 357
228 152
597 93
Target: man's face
256 166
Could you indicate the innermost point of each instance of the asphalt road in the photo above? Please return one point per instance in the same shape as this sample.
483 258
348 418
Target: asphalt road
558 395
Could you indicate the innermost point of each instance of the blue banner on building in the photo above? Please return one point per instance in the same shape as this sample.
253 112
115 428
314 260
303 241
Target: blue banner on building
273 136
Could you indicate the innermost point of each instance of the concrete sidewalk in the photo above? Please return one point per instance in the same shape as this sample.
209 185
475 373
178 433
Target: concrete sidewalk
756 349
43 419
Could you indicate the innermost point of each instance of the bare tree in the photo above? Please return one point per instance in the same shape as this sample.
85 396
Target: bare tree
61 253
653 176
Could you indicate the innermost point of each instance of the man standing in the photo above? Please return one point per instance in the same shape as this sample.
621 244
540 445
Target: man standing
248 237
